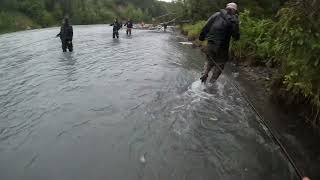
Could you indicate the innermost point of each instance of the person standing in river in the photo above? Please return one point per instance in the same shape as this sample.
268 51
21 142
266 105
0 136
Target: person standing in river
165 25
129 25
219 29
66 35
116 27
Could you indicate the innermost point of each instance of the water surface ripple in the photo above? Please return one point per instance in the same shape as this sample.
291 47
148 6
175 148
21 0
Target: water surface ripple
130 109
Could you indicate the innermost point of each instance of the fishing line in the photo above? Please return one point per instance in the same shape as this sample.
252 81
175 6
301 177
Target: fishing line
263 121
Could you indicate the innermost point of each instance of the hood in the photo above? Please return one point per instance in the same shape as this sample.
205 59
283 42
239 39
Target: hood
227 16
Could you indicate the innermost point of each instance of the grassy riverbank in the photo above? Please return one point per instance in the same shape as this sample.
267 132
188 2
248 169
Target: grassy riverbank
287 44
14 21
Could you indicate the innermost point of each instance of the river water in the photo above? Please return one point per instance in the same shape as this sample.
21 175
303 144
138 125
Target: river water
122 109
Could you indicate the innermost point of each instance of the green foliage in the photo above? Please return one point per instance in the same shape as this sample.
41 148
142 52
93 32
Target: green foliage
256 41
50 12
135 14
10 21
202 9
47 19
300 53
6 21
158 8
33 8
193 30
291 41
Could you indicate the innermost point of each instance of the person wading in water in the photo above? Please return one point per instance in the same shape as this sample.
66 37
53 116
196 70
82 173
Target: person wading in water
165 25
129 26
116 27
219 29
66 35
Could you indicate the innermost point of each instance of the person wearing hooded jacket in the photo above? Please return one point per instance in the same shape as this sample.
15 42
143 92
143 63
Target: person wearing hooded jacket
219 29
116 27
66 35
129 25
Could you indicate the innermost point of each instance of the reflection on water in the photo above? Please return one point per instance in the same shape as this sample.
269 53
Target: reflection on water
131 108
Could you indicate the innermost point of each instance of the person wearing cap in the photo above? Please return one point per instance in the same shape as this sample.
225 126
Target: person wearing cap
66 35
219 29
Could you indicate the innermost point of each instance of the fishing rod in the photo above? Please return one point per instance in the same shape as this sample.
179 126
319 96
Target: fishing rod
263 121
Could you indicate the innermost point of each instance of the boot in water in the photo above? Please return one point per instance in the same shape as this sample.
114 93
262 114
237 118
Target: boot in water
204 78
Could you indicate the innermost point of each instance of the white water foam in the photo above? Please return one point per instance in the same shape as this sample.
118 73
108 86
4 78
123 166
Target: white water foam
186 43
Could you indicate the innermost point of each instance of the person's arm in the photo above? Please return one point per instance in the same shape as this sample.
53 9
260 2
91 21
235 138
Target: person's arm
111 24
58 35
71 33
207 27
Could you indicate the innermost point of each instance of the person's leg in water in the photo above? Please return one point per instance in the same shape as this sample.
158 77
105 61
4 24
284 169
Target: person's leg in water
70 46
129 31
117 34
216 71
207 68
64 46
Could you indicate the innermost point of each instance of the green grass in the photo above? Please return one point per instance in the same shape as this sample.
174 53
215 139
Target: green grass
193 30
14 21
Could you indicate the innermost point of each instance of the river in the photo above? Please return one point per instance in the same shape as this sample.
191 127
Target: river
122 109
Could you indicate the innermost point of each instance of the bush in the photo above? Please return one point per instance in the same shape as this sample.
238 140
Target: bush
32 8
6 22
106 15
299 54
136 14
193 30
47 19
292 42
15 21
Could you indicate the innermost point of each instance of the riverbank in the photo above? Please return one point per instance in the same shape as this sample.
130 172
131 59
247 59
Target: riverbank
298 137
15 21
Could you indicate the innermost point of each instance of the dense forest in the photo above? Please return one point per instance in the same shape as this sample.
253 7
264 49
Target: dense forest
281 34
25 14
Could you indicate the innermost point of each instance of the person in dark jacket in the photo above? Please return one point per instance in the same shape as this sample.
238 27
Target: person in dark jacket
129 26
165 25
116 27
66 35
219 29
